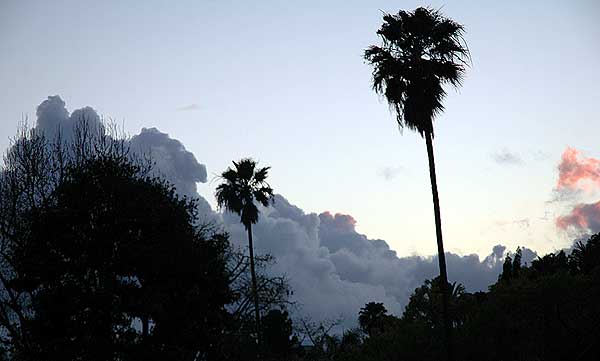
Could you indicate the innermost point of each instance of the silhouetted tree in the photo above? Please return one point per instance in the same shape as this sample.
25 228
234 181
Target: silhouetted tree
421 51
371 317
101 261
278 339
242 186
550 263
33 167
324 344
585 256
273 290
548 311
511 268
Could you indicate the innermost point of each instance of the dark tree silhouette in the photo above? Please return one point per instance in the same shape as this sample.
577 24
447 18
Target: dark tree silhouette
421 52
242 186
585 256
549 310
99 261
278 336
371 317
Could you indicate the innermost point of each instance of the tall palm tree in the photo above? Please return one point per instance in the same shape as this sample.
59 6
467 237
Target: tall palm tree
242 185
421 52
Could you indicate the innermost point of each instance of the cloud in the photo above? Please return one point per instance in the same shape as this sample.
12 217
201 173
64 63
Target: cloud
171 158
506 157
189 107
335 270
583 217
52 117
389 173
578 175
577 172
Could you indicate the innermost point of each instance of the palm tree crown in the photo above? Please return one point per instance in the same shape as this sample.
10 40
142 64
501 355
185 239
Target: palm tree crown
421 51
242 185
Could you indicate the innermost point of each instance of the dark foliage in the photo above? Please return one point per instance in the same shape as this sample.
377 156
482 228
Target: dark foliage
549 310
242 186
371 318
116 270
278 339
421 51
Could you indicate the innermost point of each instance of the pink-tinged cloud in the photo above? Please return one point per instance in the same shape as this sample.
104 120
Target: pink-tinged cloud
583 217
577 172
339 221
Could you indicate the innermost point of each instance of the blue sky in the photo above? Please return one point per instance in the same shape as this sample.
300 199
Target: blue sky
285 83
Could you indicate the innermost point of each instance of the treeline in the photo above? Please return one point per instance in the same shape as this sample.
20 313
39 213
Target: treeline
102 260
548 310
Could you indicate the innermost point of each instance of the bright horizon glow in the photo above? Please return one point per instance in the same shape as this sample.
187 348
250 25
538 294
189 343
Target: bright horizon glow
286 84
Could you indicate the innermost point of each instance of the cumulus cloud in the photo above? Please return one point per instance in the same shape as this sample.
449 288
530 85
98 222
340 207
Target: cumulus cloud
52 117
171 158
507 157
333 269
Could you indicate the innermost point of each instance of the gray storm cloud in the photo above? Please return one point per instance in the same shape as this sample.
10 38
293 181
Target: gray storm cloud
332 269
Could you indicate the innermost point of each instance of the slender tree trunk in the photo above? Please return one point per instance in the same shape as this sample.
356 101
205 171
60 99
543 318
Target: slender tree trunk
254 289
145 327
440 245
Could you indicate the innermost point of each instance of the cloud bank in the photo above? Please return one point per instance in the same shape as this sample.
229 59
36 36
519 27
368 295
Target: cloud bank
332 269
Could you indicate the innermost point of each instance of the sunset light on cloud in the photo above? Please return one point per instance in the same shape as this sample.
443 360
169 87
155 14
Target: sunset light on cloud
577 171
583 216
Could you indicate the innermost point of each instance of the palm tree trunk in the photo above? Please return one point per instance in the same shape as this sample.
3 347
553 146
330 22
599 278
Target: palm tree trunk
254 289
440 245
145 328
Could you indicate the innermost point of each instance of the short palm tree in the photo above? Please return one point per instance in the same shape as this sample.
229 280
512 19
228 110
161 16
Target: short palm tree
242 186
421 52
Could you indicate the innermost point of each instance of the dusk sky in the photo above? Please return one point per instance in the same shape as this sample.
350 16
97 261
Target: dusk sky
285 83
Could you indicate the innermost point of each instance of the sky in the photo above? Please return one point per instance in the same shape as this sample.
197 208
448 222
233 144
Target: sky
285 83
